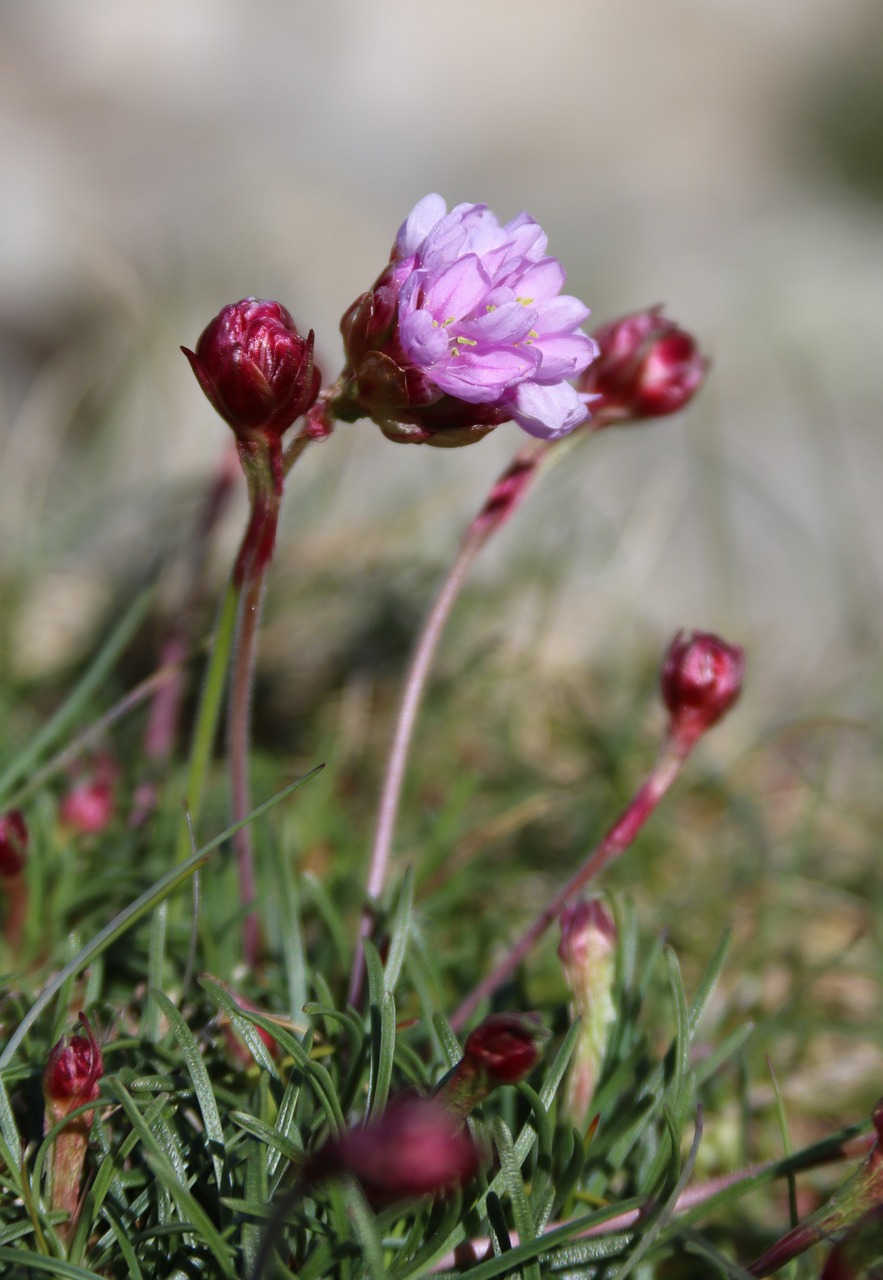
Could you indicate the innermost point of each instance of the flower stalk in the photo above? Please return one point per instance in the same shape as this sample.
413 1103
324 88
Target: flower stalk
701 679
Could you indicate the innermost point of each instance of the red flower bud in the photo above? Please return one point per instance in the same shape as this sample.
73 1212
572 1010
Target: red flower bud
505 1047
72 1072
416 1148
255 368
13 842
647 367
701 679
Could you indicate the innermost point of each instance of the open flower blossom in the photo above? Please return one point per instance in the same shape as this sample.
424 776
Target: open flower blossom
466 328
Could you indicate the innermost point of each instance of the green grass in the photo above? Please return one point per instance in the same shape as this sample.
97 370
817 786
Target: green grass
747 991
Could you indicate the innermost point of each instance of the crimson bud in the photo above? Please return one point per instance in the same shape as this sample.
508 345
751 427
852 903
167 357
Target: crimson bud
72 1072
255 368
647 367
701 679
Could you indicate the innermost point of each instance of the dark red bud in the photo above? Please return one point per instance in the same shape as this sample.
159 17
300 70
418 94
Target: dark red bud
255 368
416 1148
72 1072
505 1047
647 367
701 679
13 842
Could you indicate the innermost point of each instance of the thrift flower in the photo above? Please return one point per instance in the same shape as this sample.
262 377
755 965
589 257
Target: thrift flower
466 328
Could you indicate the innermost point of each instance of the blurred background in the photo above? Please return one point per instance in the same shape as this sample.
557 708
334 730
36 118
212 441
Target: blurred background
723 158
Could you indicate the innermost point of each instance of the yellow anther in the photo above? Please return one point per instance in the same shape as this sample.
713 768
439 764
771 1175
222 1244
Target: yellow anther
466 342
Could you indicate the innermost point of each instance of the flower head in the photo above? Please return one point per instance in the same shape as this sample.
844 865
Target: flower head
647 367
255 368
466 328
701 679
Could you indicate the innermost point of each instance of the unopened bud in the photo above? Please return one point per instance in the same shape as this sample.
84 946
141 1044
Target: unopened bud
701 679
255 368
587 952
647 367
503 1049
72 1072
415 1148
70 1080
13 843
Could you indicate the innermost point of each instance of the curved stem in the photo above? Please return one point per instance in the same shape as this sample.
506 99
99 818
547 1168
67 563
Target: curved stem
412 695
617 839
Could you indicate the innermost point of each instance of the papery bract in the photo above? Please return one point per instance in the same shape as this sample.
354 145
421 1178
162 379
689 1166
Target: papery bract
466 328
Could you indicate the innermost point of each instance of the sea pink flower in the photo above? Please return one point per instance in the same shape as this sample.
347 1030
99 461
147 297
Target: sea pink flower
466 328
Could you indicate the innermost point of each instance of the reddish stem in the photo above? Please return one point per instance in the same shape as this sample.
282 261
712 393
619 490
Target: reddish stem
617 839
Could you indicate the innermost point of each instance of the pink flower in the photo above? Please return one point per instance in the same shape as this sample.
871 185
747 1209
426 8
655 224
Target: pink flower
466 328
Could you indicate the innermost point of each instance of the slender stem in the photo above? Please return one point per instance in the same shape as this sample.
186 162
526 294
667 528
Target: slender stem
506 494
412 695
239 737
617 839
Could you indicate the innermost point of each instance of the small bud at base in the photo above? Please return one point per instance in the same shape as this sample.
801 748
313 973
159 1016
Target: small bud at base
701 679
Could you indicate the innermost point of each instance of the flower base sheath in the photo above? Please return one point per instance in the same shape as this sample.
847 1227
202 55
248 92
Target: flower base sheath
464 329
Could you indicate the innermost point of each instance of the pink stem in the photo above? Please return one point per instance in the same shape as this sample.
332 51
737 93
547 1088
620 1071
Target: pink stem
412 696
239 738
690 1199
617 839
505 496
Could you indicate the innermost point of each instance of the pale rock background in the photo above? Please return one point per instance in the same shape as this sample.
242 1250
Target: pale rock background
724 158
